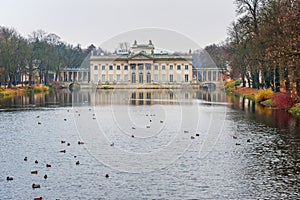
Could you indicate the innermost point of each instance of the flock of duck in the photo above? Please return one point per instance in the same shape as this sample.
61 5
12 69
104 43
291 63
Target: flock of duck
47 165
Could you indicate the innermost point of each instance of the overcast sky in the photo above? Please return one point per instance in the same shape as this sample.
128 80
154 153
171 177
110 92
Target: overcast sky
88 22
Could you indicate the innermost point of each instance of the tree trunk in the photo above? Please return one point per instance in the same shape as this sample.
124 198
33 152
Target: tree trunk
298 86
286 78
277 79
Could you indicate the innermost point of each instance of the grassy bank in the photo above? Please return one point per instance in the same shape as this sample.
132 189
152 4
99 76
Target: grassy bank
288 101
19 91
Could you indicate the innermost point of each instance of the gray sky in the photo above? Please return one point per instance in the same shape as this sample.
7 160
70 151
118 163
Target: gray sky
96 21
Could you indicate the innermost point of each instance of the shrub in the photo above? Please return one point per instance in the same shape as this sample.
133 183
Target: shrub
282 100
229 85
250 97
263 95
37 90
237 83
295 110
267 103
45 88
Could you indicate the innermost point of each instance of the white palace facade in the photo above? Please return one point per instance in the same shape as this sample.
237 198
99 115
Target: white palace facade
141 65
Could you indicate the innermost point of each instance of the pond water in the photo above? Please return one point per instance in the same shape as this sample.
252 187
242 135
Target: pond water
153 144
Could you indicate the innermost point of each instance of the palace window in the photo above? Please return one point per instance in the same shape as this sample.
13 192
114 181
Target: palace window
148 66
111 78
156 67
95 67
111 67
125 67
141 66
178 67
148 77
118 78
171 67
103 78
118 67
186 78
103 67
133 66
171 78
163 67
141 78
133 77
186 67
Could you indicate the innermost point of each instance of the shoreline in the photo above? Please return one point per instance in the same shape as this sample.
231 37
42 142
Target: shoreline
23 90
255 94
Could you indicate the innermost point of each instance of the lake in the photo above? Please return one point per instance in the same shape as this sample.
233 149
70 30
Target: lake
147 144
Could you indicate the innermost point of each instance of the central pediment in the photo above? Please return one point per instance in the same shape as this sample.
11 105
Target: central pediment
140 56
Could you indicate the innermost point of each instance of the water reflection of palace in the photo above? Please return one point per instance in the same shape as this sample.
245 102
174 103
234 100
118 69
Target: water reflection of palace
146 96
108 97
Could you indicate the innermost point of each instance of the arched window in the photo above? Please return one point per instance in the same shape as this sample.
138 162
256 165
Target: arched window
148 77
133 78
141 78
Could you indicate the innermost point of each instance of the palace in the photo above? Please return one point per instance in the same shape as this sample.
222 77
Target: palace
141 65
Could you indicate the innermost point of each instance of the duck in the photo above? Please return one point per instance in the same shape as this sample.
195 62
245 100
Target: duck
80 142
68 144
65 119
48 165
234 137
38 198
150 120
77 163
9 178
161 121
192 137
25 159
36 185
148 126
34 172
197 134
132 136
38 116
237 144
248 140
39 123
36 161
106 176
186 131
112 144
133 128
62 142
45 177
62 151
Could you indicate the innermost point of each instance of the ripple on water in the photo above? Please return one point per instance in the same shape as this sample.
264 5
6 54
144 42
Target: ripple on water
265 168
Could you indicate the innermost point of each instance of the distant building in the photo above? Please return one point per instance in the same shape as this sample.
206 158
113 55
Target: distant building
141 65
74 74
